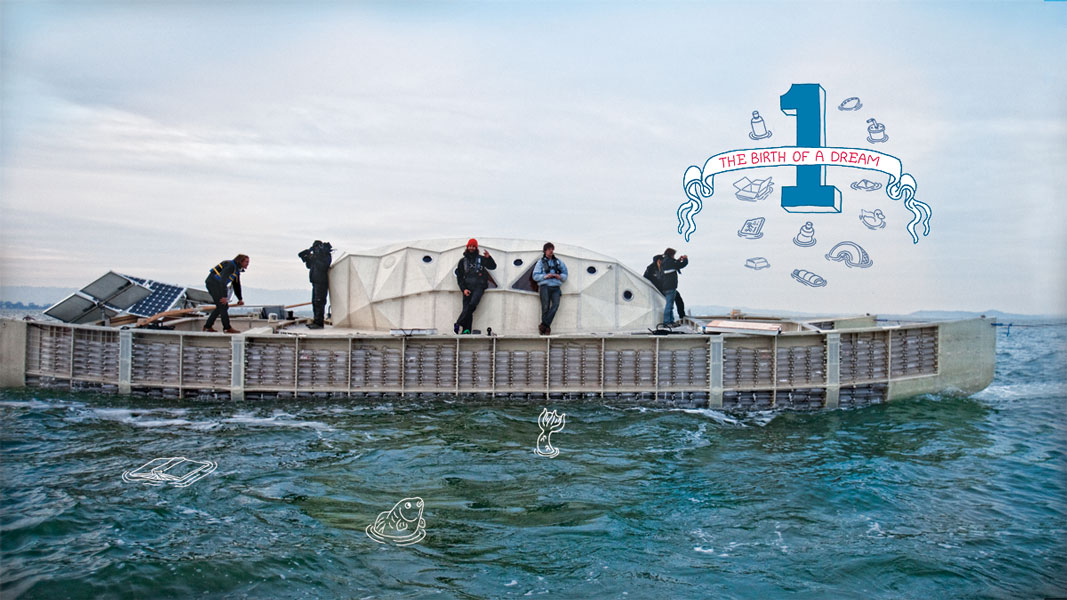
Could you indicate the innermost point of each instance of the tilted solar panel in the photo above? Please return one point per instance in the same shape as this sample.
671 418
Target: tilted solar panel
164 297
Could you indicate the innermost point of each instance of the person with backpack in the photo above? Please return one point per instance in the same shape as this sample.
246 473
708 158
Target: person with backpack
472 275
653 274
317 258
669 269
549 273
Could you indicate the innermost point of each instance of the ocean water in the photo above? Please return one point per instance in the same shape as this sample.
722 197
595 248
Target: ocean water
931 497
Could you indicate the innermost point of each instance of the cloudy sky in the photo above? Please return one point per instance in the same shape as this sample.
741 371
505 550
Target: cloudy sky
156 138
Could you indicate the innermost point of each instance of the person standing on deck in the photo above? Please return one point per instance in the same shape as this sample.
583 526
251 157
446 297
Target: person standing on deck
669 270
549 273
472 275
317 259
221 277
653 273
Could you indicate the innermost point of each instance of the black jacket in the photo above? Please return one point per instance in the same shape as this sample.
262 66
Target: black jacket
652 272
318 259
226 273
472 272
669 272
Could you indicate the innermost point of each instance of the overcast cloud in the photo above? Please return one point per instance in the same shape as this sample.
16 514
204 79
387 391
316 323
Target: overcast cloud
155 139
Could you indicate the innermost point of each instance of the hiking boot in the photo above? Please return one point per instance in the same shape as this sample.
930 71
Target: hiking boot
548 330
466 332
314 325
455 328
211 330
230 330
541 328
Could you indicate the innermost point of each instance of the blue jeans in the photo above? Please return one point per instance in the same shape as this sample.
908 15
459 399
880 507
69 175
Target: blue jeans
668 309
549 303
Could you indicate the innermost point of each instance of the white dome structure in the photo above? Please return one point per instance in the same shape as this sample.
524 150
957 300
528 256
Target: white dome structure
413 286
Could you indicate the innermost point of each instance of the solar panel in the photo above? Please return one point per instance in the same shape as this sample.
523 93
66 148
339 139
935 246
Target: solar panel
114 293
164 297
195 297
79 310
117 291
70 308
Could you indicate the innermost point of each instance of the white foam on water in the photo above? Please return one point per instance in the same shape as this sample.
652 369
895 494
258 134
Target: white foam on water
1015 391
714 415
145 418
780 542
278 419
38 404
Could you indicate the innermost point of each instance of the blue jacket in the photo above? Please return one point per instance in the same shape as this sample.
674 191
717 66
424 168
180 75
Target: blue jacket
546 266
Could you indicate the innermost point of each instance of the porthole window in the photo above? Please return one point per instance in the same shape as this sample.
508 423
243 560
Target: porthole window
427 259
627 295
517 262
591 270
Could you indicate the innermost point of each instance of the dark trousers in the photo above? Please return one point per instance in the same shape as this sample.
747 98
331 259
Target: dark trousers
680 304
318 300
218 291
549 303
470 303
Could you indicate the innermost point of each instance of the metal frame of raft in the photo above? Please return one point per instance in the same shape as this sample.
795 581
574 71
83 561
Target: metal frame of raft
829 364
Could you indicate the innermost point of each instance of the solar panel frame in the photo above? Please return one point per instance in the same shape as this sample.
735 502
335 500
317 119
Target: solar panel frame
197 297
79 310
70 308
164 297
117 291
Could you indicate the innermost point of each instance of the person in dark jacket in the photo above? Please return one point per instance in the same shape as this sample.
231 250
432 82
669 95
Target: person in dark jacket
221 277
472 276
317 258
653 274
669 269
652 270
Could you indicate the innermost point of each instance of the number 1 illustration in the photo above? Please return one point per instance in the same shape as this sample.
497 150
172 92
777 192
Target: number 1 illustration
807 102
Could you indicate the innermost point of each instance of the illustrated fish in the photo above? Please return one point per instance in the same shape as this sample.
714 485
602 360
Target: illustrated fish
401 525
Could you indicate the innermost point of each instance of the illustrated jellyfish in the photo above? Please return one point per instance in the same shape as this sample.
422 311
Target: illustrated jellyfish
904 189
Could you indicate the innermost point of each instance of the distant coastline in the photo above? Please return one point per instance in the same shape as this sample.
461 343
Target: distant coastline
6 305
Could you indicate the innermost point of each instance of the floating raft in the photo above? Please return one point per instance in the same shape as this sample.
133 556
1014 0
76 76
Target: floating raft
765 365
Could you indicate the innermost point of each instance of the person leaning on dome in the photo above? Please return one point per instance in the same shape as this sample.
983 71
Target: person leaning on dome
549 273
472 276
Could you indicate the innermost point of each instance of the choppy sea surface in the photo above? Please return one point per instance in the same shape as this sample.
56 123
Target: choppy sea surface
931 497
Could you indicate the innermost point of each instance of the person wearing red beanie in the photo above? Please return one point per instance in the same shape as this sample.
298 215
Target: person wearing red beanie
472 275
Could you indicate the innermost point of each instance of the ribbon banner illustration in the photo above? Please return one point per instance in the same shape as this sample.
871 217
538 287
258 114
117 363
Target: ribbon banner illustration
699 182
